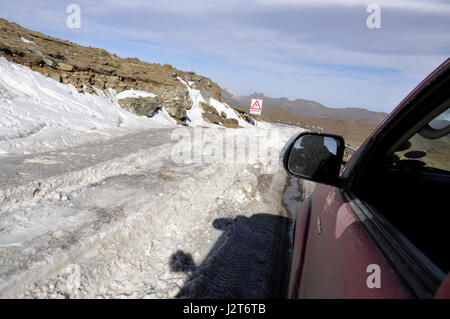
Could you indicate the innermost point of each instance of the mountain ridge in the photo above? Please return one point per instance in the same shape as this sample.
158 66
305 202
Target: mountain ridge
303 107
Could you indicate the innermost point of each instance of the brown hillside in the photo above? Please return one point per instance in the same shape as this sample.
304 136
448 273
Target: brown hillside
353 131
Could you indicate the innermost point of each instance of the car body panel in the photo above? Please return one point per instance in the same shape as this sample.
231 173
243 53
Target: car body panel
444 290
298 253
338 252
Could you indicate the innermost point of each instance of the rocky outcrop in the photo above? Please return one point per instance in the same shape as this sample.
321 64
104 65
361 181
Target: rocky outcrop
177 102
39 57
88 69
146 106
206 86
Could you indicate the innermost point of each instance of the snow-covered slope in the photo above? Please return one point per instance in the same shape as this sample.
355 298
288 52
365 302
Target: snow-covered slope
39 114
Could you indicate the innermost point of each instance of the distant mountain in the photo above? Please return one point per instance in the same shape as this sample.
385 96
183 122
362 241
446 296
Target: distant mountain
303 107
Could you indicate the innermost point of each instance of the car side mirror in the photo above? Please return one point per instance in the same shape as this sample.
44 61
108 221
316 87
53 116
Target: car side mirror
314 156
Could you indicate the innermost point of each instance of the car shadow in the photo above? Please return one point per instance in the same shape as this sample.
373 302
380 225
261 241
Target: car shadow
249 260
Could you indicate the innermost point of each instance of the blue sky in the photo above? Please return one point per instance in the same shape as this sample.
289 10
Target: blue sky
319 50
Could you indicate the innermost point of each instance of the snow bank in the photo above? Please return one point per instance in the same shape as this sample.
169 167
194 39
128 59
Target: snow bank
195 114
39 114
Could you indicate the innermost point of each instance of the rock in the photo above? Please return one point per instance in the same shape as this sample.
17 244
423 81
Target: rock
83 67
211 115
216 92
41 55
56 77
206 95
177 102
205 84
35 60
57 56
146 106
65 67
178 114
108 71
49 62
196 78
6 49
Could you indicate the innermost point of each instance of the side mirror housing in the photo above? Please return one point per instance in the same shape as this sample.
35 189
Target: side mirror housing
314 156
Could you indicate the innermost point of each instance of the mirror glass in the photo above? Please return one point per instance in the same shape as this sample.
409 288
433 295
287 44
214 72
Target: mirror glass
315 157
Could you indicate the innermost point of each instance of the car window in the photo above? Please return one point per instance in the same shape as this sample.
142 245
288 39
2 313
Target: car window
409 191
428 151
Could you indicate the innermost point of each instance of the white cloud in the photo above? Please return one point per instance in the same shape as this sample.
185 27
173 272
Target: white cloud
211 6
274 51
429 6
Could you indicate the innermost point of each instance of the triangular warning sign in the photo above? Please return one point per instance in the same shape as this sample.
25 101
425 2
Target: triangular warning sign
256 106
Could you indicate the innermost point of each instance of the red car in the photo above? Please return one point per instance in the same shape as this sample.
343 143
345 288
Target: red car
380 226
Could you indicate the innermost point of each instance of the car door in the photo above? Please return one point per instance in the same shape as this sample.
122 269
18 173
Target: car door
353 247
341 260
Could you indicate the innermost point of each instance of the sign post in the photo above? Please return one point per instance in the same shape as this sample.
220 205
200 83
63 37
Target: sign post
256 106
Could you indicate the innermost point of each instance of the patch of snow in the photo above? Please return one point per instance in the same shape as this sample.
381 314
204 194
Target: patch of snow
39 114
262 124
162 116
231 114
131 93
25 40
195 114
